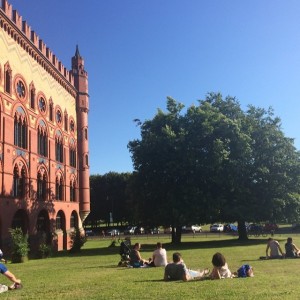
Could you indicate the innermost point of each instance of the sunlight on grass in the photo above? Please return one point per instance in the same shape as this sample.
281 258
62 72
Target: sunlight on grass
93 273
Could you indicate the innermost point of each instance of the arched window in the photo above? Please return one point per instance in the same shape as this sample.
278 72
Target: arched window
59 189
7 78
50 110
66 122
41 186
32 95
72 153
72 191
20 129
85 133
74 220
19 181
86 160
42 139
59 147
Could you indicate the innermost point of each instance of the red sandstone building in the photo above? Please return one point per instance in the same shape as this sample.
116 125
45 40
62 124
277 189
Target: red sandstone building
44 166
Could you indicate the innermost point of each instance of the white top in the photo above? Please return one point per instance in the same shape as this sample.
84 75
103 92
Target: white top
160 257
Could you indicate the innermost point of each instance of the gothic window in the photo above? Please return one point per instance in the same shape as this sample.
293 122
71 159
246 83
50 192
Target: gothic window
73 191
59 189
7 78
59 148
42 105
41 186
58 116
42 140
19 181
72 154
66 121
32 96
20 129
50 110
72 126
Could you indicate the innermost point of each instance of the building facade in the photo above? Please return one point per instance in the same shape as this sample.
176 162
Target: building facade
44 152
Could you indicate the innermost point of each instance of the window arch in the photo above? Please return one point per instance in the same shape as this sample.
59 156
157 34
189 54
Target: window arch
41 185
7 78
19 180
60 221
72 153
20 128
66 120
42 137
59 147
59 188
50 110
85 133
74 220
72 191
86 160
32 95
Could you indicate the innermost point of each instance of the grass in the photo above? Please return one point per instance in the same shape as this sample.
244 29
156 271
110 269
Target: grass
93 273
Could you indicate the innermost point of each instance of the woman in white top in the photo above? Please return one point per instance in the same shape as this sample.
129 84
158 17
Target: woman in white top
220 267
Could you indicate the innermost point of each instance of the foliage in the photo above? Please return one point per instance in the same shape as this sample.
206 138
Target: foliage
93 273
215 162
20 246
77 240
109 195
44 249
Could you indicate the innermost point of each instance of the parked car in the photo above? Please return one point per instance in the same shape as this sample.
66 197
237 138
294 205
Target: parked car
168 230
192 228
152 230
139 230
89 233
217 228
130 230
113 232
230 228
270 227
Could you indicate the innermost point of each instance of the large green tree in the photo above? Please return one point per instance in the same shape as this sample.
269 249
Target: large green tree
215 162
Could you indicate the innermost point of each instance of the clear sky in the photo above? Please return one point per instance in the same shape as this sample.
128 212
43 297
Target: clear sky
138 52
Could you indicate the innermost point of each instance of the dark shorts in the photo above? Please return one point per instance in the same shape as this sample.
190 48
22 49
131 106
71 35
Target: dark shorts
3 269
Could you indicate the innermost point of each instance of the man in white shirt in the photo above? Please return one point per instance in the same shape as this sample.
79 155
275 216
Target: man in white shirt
159 257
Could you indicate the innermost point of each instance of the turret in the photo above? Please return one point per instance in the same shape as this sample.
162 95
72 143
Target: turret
82 109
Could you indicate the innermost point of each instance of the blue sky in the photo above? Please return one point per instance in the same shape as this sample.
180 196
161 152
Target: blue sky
138 52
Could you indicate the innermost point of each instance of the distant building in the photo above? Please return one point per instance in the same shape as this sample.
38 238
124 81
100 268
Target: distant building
44 152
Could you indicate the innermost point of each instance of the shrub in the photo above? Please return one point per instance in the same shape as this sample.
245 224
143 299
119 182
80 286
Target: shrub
77 241
20 246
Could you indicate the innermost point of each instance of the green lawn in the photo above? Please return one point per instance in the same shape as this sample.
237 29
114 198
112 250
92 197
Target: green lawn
93 274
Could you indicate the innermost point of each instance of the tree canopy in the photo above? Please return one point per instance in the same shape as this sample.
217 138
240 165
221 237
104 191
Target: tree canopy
215 162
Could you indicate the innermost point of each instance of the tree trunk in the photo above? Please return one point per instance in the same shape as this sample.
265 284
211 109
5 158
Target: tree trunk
242 230
176 235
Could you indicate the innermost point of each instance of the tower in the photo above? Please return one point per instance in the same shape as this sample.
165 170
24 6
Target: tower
82 109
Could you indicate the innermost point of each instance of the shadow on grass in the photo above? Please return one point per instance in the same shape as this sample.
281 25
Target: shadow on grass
171 247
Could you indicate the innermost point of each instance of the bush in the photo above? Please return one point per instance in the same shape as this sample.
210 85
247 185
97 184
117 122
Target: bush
77 241
20 246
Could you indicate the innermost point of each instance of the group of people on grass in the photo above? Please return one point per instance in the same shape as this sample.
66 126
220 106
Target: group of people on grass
177 270
274 250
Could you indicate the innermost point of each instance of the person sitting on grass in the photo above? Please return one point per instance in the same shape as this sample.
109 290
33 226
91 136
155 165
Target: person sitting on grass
16 282
135 257
220 267
178 270
291 250
159 256
275 250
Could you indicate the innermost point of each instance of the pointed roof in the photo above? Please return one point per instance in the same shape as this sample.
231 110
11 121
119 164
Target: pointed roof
77 54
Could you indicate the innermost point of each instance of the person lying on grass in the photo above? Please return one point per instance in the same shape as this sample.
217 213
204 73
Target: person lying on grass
220 268
11 277
178 270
